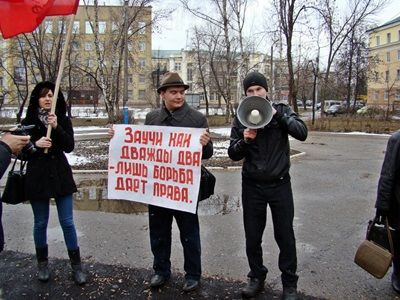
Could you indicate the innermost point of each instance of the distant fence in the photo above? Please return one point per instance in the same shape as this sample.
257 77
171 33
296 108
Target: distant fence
349 124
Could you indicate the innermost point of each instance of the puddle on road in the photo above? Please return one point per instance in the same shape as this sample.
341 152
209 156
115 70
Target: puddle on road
219 205
92 196
215 205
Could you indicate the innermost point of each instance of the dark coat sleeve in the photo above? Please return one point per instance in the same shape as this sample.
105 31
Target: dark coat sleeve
237 146
290 122
63 136
389 173
5 157
208 149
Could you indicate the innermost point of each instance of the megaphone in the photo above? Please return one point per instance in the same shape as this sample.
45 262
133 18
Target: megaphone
254 112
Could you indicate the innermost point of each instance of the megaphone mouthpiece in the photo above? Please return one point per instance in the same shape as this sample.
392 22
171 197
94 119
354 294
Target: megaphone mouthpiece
255 117
254 112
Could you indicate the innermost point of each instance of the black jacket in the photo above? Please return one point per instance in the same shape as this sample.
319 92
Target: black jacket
5 157
185 116
388 198
267 158
49 175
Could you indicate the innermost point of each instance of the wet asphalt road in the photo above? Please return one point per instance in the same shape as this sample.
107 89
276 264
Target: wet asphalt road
334 186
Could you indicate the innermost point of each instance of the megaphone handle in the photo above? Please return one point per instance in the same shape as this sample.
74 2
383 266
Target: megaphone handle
249 134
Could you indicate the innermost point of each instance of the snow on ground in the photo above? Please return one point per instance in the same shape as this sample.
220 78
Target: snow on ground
76 160
223 131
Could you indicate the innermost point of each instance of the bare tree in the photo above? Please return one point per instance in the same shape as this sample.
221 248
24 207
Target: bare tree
289 12
225 44
338 28
110 48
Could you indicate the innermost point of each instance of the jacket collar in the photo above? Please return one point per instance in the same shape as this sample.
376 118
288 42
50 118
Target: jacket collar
178 115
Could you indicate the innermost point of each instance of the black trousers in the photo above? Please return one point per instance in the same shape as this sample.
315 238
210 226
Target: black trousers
255 199
160 220
1 228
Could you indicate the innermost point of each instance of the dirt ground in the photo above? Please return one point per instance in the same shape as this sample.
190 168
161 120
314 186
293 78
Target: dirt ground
18 281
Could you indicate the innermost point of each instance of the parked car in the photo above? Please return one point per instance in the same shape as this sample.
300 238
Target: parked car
371 111
335 110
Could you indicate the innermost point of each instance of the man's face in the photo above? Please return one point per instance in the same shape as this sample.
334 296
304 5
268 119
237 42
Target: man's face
174 97
256 90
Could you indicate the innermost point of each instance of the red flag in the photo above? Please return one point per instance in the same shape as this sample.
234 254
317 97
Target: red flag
22 16
63 7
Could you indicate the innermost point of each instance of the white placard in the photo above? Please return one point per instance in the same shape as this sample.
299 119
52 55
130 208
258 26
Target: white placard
157 165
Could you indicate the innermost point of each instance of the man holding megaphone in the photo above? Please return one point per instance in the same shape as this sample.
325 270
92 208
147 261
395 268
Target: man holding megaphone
259 135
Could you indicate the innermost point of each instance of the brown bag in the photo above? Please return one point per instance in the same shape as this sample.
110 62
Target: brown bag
372 257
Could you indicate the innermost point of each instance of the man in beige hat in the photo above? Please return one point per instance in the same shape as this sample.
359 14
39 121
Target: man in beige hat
176 112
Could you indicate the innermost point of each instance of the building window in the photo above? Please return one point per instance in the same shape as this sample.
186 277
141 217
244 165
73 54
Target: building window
387 75
376 95
142 78
88 46
142 27
142 94
48 27
378 40
90 63
1 82
398 54
397 94
75 28
130 47
62 27
385 95
142 46
48 46
88 28
130 94
398 75
142 62
102 27
19 74
189 72
388 37
114 26
177 66
130 79
398 35
75 45
387 56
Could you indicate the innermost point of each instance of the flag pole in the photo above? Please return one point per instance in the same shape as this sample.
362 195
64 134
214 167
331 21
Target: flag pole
60 71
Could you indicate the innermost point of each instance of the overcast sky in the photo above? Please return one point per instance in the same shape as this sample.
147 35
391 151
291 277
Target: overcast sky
175 32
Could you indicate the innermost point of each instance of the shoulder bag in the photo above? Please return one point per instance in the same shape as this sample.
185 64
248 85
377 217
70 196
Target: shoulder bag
207 183
372 255
14 190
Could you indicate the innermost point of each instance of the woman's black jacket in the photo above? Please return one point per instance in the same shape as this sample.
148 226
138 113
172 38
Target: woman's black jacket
50 175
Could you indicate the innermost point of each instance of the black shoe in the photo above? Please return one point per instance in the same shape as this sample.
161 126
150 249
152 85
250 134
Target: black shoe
190 285
289 293
253 287
158 280
396 282
43 274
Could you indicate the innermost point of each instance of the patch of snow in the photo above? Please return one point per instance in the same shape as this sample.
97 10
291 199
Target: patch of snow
75 160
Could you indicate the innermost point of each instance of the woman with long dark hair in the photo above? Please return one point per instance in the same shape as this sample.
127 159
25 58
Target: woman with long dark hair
49 176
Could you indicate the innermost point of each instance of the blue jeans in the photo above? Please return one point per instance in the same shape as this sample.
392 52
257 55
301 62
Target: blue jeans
160 220
41 211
